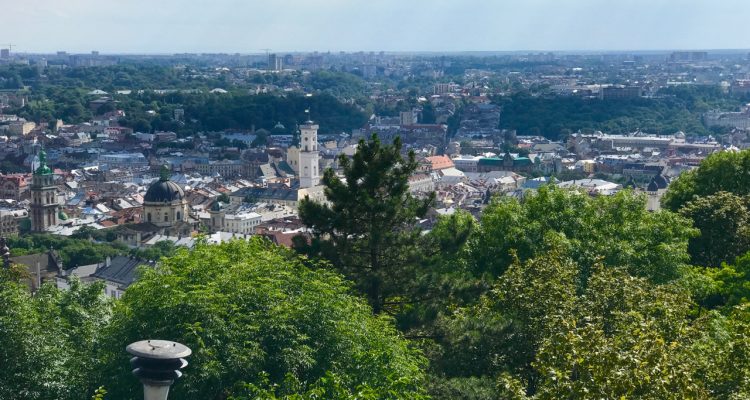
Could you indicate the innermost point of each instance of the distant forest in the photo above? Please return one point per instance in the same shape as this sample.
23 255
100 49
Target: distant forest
675 109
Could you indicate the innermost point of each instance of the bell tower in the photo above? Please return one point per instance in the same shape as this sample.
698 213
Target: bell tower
308 155
44 206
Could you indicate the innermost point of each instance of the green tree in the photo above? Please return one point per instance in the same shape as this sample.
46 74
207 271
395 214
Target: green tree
616 228
367 230
722 219
48 340
536 335
255 316
622 338
725 171
164 248
224 198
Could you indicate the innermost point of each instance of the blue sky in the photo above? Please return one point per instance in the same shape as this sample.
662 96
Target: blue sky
247 26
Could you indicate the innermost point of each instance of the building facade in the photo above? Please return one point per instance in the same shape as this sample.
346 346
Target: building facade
13 186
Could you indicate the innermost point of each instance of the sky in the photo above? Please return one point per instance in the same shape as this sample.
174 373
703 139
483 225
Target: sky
249 26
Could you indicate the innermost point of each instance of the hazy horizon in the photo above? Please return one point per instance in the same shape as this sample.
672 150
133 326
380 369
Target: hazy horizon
417 26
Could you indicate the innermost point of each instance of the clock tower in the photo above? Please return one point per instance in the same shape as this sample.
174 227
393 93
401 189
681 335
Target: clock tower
308 155
44 205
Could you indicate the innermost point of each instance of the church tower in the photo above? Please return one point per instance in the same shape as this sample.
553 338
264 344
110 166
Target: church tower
308 155
44 206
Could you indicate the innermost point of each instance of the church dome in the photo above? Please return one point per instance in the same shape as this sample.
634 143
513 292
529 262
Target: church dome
163 191
661 182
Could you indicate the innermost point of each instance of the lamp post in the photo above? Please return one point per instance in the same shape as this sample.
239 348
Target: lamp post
157 364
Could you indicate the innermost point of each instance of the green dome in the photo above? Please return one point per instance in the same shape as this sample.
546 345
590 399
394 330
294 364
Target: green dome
62 216
43 168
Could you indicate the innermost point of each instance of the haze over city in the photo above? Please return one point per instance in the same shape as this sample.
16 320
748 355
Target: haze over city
168 26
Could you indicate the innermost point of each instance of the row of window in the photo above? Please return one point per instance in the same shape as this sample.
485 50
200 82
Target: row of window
166 217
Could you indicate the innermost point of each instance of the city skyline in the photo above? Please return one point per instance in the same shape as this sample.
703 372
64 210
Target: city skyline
231 26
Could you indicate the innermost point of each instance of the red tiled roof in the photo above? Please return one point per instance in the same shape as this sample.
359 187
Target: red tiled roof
440 162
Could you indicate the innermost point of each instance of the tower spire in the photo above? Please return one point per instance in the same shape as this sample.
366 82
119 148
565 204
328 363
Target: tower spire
43 169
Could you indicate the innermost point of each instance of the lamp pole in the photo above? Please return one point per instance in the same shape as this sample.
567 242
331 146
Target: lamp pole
157 364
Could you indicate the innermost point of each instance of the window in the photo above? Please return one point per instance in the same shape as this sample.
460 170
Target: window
178 216
148 217
166 217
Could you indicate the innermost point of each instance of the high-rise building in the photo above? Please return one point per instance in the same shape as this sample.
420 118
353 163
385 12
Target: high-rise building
4 53
308 155
275 63
288 59
44 205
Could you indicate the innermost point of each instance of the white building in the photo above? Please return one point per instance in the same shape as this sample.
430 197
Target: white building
241 222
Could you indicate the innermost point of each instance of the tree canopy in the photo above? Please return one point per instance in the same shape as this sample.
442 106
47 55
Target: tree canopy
726 171
253 314
616 229
260 323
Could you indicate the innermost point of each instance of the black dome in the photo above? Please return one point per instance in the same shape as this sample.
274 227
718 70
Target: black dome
661 181
163 191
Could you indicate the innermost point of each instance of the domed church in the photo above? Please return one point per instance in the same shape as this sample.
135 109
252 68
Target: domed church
164 204
165 213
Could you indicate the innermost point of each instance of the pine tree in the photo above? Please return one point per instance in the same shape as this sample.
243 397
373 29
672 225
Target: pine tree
368 230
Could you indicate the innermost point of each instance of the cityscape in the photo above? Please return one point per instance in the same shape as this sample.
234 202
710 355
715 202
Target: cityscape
375 224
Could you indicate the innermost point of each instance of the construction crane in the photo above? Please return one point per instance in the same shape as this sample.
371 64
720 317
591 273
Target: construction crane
9 45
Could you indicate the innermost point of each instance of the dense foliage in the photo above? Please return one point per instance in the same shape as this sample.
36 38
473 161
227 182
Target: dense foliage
264 111
676 109
726 171
715 197
249 311
616 229
74 251
49 340
258 321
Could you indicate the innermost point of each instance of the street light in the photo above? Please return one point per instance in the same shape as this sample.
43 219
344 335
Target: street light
157 364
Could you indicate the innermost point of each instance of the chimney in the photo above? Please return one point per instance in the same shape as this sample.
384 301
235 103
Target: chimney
157 364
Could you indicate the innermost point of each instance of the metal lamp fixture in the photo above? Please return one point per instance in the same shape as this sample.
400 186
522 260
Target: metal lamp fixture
157 364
